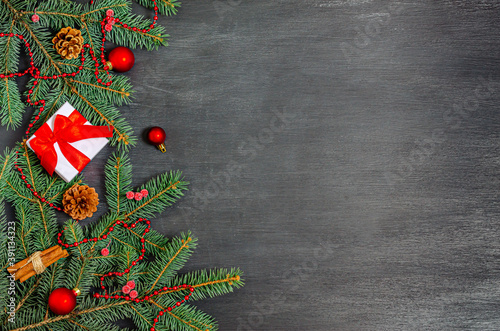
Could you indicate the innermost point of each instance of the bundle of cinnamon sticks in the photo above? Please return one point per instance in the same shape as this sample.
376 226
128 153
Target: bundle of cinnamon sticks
24 269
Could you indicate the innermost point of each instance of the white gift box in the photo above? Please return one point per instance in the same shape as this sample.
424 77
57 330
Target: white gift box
89 147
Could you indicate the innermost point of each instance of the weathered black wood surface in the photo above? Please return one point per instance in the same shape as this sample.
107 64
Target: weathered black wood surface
344 154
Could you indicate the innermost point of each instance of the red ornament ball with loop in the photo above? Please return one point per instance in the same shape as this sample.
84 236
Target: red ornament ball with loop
156 136
121 59
62 301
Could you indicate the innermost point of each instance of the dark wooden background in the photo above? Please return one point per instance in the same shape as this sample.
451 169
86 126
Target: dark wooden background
344 154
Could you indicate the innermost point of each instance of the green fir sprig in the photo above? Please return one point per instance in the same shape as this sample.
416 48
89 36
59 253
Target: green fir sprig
93 100
36 229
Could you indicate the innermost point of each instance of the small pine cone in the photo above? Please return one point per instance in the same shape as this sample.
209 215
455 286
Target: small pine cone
80 201
68 42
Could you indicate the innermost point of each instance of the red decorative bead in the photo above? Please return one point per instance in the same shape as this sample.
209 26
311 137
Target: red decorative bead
133 294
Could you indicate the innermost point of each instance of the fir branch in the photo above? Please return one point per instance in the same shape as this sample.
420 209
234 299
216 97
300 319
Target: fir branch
178 252
206 283
6 163
21 215
147 241
68 316
163 192
23 300
185 318
118 173
10 103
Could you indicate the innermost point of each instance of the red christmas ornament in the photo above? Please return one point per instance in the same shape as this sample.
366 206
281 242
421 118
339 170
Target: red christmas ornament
156 136
120 59
62 301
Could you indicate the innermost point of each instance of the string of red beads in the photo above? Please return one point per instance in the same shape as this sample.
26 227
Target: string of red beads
35 73
106 295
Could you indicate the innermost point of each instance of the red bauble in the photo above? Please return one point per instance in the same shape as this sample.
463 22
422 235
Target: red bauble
121 59
156 136
62 301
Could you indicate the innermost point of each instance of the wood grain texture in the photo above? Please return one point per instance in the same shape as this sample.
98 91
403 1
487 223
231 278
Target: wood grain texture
344 154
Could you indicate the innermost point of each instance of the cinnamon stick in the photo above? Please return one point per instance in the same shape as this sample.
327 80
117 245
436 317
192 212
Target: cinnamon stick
24 269
47 263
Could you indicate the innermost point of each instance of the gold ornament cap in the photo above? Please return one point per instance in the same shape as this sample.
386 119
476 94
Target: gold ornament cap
77 291
162 147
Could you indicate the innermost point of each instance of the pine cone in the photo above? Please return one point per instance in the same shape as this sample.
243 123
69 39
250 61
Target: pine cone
80 201
68 43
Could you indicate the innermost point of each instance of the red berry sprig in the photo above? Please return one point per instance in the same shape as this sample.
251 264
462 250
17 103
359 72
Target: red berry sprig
35 73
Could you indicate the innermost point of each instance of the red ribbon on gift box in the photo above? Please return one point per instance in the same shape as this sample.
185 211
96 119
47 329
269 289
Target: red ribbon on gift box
66 130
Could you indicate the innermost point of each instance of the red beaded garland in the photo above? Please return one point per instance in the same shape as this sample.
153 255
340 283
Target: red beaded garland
131 296
35 73
61 301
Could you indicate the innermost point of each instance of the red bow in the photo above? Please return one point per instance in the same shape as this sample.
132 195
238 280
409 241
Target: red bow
66 130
